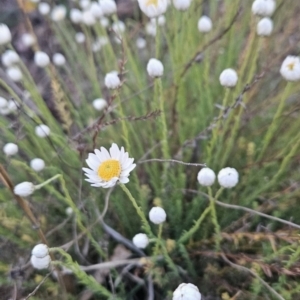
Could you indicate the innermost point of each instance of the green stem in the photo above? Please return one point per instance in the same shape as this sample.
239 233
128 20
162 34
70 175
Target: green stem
215 219
47 181
158 240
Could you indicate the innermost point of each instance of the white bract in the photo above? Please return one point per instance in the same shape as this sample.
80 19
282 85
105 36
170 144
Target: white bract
228 177
182 4
186 291
112 80
264 8
206 177
58 59
5 34
28 39
44 8
264 27
40 263
76 15
10 149
14 73
204 24
9 57
153 8
80 37
228 78
42 131
41 59
108 7
99 104
290 68
40 250
37 164
24 189
108 168
157 215
58 13
140 240
155 68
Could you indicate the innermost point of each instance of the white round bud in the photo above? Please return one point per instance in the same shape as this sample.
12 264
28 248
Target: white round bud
99 104
141 43
58 59
155 68
290 68
140 240
118 27
153 10
24 189
76 15
157 215
5 34
28 39
44 8
112 80
69 211
228 78
14 73
80 37
264 27
42 131
104 22
186 291
182 4
37 164
10 149
88 18
41 59
58 13
108 7
96 10
206 177
204 24
40 263
264 8
151 28
3 102
9 57
12 105
40 250
228 178
84 4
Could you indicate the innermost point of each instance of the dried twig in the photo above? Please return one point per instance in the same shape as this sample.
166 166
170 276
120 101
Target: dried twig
37 287
171 161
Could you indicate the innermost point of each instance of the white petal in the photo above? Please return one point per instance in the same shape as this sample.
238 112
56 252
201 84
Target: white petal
92 161
105 153
127 163
114 151
124 179
89 171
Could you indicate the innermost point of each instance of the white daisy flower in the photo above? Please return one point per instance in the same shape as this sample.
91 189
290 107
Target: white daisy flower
107 168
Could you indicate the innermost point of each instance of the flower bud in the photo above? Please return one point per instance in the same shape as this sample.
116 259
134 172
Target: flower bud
141 43
112 80
186 291
76 15
40 250
96 10
264 27
80 37
14 73
58 59
10 149
41 59
42 131
28 39
40 263
24 189
290 68
140 240
3 102
118 27
264 8
157 215
108 7
37 164
44 8
206 177
182 4
228 178
204 24
9 57
99 104
155 68
5 35
58 13
228 78
153 9
88 18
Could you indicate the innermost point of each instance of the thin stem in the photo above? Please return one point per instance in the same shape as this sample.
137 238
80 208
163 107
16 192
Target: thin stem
158 240
47 181
214 219
138 210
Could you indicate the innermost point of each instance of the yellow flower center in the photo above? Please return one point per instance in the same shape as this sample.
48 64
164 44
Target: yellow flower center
154 2
291 66
109 169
